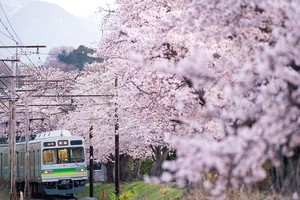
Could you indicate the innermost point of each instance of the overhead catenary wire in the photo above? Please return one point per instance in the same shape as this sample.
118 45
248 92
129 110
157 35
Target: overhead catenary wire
13 36
6 35
7 49
10 36
12 28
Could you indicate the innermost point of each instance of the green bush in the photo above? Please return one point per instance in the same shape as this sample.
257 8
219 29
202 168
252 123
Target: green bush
146 166
123 196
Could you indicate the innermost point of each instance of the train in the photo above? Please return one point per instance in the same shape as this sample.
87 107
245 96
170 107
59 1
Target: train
57 163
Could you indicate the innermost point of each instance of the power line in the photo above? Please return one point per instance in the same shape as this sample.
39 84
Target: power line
22 46
7 35
12 60
10 23
7 49
76 95
13 38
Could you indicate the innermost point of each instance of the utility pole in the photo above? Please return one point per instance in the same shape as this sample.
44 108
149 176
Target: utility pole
27 194
91 163
12 132
117 157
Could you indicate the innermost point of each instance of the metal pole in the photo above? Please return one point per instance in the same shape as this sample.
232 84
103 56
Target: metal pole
91 171
27 194
117 166
117 157
12 127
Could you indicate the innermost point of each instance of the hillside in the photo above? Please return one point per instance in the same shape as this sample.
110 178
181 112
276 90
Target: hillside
44 23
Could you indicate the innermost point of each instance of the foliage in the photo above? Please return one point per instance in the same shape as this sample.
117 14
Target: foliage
137 190
123 196
242 193
146 166
237 66
217 81
53 61
78 57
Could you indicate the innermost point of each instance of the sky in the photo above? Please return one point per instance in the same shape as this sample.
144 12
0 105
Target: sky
81 7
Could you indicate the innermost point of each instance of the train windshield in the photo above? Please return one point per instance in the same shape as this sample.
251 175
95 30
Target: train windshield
63 155
76 154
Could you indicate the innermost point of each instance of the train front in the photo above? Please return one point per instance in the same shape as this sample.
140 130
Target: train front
63 167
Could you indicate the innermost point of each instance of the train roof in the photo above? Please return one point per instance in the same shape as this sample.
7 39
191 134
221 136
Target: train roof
39 136
49 134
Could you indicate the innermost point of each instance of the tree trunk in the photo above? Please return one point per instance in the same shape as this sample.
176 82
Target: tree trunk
286 177
110 171
126 168
159 156
137 168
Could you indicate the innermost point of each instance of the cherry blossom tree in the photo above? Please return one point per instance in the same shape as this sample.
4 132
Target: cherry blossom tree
148 102
44 90
147 98
241 59
71 100
94 106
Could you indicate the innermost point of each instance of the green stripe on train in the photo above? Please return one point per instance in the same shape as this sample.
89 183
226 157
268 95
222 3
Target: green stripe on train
64 171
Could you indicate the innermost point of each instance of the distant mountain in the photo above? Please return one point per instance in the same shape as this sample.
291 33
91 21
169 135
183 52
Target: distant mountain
12 6
44 23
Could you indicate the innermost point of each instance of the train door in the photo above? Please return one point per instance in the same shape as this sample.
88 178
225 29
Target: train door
6 170
32 165
37 163
18 164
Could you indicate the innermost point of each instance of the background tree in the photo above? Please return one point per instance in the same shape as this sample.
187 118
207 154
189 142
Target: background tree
68 58
148 98
53 61
78 57
44 111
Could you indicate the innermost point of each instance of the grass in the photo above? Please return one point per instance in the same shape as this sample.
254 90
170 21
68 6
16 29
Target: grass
136 191
147 191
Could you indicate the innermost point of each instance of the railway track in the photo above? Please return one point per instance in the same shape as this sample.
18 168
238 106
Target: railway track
53 197
60 197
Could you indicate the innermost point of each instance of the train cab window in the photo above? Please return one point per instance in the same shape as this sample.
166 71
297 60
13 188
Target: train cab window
49 156
77 154
76 142
63 155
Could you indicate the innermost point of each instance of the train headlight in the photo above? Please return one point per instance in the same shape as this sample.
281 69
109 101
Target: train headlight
80 170
48 171
63 142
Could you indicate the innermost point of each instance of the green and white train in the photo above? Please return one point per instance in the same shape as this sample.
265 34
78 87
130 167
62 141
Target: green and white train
57 163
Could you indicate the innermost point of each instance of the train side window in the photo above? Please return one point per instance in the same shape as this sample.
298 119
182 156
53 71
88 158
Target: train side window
49 156
63 155
18 158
